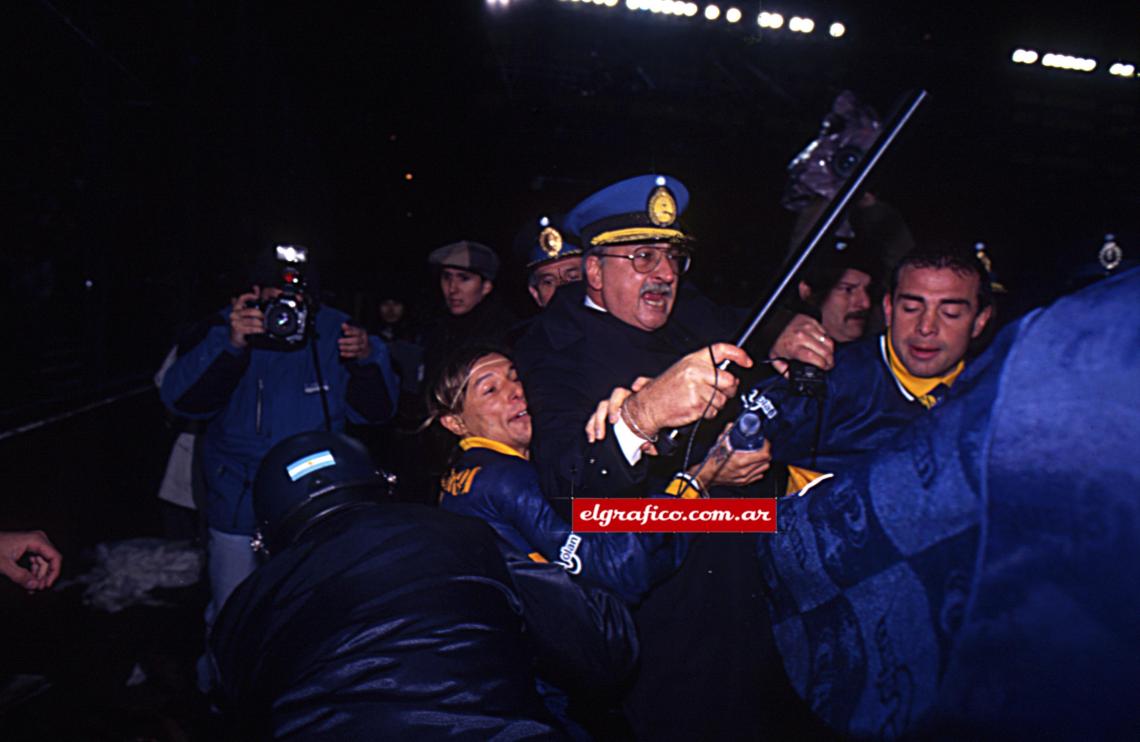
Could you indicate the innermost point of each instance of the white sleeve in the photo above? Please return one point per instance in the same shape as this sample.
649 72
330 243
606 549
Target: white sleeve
629 442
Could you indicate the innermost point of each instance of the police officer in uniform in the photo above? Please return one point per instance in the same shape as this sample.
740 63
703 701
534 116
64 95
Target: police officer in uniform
554 260
706 667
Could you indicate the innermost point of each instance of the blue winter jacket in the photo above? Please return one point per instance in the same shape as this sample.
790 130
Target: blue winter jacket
492 482
864 406
975 577
254 398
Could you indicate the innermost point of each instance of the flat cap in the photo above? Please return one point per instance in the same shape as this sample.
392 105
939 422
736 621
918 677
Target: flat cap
468 256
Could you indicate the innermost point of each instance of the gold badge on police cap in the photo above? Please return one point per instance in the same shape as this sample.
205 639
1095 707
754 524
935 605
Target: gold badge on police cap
550 241
662 207
1110 255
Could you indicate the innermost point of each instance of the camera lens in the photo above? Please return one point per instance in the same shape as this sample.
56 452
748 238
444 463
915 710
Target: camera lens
281 320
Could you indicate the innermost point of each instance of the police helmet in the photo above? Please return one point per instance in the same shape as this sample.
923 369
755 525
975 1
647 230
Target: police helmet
308 477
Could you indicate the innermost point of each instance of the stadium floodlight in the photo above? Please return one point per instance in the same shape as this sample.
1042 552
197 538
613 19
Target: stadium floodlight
1068 62
712 12
691 9
732 15
1122 69
837 29
769 20
1024 56
801 25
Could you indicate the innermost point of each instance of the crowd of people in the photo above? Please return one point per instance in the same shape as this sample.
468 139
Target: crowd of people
622 635
447 593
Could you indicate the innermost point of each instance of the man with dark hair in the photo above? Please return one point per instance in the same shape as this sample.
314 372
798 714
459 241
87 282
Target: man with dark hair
974 578
838 291
938 303
466 272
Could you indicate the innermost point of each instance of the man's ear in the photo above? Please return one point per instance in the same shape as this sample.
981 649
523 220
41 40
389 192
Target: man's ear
594 272
488 284
887 308
454 424
981 321
805 291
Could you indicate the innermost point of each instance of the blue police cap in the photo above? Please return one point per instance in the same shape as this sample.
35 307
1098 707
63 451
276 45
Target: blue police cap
645 208
551 242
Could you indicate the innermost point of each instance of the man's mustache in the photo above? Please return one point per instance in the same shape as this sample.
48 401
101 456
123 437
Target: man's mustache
656 287
862 314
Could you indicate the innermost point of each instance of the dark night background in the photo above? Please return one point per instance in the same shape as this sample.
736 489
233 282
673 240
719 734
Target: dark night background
152 148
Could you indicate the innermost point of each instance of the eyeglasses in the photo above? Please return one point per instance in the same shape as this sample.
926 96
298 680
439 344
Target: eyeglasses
645 259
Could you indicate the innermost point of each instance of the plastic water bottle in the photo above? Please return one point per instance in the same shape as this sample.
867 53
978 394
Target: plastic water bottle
747 434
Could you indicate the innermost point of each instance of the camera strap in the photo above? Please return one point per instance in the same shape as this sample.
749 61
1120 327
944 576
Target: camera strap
320 379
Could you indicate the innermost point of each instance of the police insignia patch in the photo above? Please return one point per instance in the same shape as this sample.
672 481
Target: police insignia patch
551 241
662 208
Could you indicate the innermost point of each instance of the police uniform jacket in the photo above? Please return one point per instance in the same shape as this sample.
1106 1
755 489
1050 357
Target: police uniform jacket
254 398
707 670
495 483
572 357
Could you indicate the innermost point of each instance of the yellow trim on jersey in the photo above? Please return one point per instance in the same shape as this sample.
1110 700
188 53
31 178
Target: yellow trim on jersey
475 441
919 386
798 478
688 487
457 483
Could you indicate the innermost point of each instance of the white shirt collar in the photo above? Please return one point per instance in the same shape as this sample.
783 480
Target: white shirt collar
593 304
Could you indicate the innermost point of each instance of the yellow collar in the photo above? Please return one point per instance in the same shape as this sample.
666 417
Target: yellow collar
916 387
475 441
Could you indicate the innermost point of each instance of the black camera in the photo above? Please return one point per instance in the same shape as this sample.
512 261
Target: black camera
288 315
807 380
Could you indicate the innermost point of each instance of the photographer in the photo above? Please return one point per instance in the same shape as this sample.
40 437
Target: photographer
272 364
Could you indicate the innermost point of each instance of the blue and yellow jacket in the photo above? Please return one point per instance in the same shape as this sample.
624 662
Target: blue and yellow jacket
493 482
870 395
975 577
